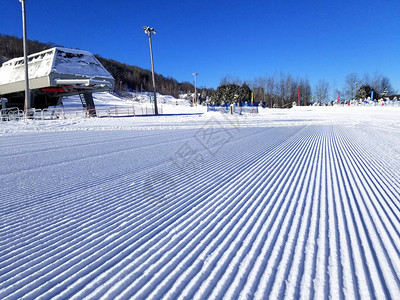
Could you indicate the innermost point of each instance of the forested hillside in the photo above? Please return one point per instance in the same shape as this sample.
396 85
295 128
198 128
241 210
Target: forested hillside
126 76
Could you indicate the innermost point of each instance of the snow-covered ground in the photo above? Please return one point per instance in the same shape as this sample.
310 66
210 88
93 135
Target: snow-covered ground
297 203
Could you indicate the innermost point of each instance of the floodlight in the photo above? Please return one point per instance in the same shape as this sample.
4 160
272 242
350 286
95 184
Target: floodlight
148 31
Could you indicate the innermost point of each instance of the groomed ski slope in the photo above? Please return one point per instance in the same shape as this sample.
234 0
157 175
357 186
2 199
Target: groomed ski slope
224 208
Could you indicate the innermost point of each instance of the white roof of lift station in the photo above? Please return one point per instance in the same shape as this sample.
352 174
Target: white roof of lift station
54 68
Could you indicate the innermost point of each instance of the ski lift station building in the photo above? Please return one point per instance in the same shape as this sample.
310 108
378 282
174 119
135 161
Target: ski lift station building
53 74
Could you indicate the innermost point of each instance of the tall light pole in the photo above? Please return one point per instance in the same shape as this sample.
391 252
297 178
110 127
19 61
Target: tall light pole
150 31
27 91
195 89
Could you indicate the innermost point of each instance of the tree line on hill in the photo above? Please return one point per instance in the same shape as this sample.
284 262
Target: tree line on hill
271 91
283 90
126 77
280 90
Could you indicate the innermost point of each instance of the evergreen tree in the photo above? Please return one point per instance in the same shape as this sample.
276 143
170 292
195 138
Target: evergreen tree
364 92
244 93
228 94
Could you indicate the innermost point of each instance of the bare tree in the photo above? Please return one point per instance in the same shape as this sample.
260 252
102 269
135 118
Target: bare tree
351 85
280 90
322 91
305 90
258 87
289 90
381 85
270 95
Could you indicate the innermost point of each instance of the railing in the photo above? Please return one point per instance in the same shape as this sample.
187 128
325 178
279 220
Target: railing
11 114
123 111
242 108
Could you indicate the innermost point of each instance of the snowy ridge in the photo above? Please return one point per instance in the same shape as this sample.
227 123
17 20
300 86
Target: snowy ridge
276 212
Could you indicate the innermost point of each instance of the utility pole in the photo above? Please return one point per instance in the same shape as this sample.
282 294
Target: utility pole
27 106
149 31
195 89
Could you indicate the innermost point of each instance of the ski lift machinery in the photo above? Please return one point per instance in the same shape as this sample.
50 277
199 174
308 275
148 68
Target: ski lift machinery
54 74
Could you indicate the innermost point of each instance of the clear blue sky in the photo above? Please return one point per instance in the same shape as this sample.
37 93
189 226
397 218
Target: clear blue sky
243 39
